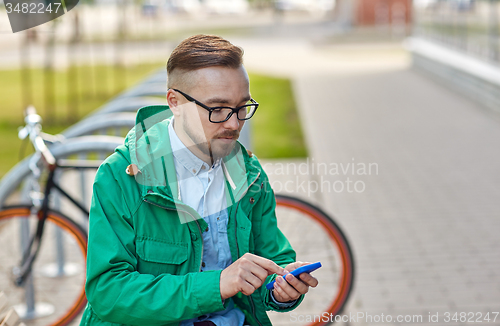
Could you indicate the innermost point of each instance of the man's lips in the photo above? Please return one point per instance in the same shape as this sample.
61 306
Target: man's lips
227 139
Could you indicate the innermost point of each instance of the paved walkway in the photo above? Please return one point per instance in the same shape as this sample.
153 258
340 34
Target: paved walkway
424 221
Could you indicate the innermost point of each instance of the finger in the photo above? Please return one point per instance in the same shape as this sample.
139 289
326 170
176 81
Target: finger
308 279
295 265
292 266
280 294
297 284
258 271
247 288
270 266
250 266
287 288
255 281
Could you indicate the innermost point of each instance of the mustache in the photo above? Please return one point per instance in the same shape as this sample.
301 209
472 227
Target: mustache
235 134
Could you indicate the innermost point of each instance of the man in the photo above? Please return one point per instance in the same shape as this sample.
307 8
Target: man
182 224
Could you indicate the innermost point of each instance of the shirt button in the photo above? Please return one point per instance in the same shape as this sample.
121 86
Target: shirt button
194 236
252 200
203 167
206 230
194 171
203 264
218 218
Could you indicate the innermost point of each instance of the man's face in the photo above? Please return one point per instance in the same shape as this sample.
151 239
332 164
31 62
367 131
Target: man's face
213 86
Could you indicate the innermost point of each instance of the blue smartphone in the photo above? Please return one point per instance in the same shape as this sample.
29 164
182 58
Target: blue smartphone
303 269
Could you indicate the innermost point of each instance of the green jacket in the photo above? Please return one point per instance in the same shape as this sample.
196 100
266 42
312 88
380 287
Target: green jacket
145 245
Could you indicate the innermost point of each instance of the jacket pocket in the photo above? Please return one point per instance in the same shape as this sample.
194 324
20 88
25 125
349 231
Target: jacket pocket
158 256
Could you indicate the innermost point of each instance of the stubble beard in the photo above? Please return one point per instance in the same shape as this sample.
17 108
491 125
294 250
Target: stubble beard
219 149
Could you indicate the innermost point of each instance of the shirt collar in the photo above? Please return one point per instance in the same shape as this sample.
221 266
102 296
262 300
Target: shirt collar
183 155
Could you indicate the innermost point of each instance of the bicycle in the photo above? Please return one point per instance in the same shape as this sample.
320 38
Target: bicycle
51 281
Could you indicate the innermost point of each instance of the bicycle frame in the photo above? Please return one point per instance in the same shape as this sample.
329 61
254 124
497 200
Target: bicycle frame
29 255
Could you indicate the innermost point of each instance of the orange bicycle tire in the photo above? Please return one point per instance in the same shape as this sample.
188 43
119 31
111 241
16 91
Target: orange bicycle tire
80 238
337 239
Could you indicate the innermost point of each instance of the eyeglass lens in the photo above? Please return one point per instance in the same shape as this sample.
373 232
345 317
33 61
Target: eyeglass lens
222 114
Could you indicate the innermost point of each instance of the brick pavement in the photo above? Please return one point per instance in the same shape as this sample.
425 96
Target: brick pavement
426 229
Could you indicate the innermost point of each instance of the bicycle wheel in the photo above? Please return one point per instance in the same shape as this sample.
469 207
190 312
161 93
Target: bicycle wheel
316 237
54 293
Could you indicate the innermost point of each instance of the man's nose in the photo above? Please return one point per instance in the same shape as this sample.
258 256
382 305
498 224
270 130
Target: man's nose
232 123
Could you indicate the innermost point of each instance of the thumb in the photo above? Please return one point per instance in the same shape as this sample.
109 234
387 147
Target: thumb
282 271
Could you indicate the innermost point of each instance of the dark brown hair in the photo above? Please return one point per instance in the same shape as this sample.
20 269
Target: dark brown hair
201 51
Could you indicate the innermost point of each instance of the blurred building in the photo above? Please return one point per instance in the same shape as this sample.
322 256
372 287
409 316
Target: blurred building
457 41
383 12
392 15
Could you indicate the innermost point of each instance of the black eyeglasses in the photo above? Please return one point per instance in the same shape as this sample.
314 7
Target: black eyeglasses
220 114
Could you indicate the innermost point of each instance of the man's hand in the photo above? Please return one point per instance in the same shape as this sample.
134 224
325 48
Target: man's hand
285 292
246 275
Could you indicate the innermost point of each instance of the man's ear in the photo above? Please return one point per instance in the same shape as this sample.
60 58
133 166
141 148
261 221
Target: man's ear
173 101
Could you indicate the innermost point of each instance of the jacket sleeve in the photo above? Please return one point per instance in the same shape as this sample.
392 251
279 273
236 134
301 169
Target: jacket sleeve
272 244
116 291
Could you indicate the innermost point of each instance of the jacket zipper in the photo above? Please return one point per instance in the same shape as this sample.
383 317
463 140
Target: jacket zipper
197 224
236 221
252 304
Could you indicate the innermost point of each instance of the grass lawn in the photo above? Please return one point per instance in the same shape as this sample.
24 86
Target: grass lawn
276 131
73 92
90 87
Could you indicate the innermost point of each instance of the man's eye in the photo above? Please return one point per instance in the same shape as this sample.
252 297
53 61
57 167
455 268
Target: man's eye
217 110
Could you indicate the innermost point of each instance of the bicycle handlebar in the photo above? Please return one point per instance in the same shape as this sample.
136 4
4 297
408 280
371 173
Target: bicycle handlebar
33 129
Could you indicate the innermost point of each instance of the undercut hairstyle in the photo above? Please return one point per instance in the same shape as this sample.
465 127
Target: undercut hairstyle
201 51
